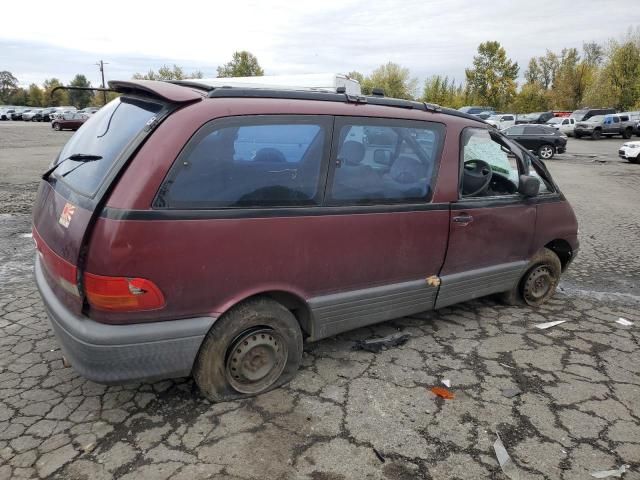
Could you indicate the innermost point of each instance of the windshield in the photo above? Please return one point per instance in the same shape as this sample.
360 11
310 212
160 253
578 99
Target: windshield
495 117
105 134
596 119
578 114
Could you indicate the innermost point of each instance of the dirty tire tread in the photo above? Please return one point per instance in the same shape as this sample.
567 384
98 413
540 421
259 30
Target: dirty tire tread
542 257
209 367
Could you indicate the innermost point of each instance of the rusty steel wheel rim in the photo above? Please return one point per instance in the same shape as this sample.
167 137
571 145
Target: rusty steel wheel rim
539 285
255 360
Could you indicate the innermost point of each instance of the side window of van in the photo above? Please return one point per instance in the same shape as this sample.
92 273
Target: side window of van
259 161
377 161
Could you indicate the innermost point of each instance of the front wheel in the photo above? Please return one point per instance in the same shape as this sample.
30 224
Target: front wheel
546 152
252 349
56 126
596 134
539 282
577 135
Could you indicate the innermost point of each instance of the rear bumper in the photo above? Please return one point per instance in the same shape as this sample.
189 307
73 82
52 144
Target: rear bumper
114 354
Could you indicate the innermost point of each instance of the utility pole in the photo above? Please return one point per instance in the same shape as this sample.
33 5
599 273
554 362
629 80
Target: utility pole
104 94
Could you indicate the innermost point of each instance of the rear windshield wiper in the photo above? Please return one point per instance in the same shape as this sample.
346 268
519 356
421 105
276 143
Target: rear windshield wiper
76 157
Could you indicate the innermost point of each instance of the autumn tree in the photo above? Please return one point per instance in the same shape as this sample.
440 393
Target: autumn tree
444 92
166 72
35 95
59 97
393 79
242 64
492 79
80 98
8 83
548 66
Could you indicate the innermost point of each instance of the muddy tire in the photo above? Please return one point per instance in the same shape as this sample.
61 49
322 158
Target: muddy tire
252 349
539 282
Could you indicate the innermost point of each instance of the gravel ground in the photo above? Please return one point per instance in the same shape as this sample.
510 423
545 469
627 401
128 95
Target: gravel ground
352 414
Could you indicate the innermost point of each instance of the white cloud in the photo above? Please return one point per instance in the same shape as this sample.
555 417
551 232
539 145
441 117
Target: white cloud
288 36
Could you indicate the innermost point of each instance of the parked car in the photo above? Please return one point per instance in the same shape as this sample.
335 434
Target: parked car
604 126
69 121
636 129
630 151
502 121
59 111
47 112
563 125
587 113
88 110
536 117
541 139
5 113
29 116
634 119
484 115
184 230
475 110
17 114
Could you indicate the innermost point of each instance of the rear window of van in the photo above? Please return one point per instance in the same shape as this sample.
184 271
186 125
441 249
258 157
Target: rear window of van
106 134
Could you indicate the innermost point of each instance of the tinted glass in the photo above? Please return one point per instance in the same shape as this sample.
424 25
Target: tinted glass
255 161
515 130
534 130
106 134
385 161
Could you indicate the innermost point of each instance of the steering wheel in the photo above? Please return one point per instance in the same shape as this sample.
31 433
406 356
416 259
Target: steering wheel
476 176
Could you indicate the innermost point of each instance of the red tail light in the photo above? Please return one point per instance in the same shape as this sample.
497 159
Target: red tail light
122 294
63 272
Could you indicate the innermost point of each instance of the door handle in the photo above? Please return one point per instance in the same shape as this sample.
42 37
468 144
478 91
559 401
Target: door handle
463 219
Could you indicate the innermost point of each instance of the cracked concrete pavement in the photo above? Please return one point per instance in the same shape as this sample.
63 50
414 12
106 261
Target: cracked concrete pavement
579 410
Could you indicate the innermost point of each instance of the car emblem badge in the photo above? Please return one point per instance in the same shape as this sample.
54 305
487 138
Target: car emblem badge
67 213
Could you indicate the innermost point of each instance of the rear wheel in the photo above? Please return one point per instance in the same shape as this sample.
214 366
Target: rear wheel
596 134
626 133
577 135
539 282
545 152
252 349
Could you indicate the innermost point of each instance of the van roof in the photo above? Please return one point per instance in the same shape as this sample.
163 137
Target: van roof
187 91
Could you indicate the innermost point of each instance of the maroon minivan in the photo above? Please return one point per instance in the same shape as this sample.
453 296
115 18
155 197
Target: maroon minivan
187 229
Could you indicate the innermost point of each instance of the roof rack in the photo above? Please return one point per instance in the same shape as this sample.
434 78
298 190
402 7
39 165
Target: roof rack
233 92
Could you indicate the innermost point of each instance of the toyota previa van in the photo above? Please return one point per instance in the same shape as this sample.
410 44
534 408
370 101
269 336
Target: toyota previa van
187 229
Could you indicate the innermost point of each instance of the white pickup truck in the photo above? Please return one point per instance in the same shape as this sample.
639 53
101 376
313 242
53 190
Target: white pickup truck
502 120
565 125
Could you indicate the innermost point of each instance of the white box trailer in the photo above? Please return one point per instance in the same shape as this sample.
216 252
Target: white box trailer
324 82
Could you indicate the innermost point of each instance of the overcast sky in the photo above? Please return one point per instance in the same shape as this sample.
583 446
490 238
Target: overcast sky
43 39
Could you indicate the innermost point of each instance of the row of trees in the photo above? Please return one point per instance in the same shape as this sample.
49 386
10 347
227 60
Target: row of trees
41 96
242 64
598 76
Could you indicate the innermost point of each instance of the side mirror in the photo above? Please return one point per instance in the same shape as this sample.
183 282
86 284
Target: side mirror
529 186
382 157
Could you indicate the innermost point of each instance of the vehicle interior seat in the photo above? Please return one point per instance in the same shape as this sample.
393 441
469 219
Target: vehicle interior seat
352 179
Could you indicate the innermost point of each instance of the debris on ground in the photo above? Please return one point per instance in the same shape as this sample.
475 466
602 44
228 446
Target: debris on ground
506 464
376 345
611 473
446 382
443 393
507 366
379 455
511 392
624 321
544 326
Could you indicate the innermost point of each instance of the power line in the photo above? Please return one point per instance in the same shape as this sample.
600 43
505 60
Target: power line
104 94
